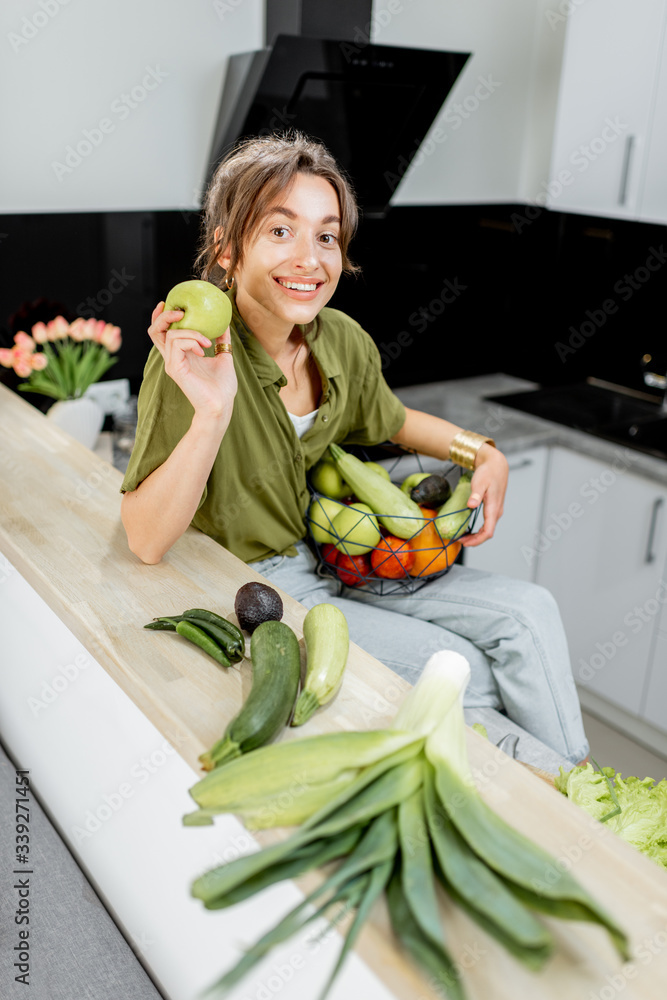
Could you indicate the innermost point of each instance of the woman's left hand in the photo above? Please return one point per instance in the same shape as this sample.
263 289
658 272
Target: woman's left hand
489 483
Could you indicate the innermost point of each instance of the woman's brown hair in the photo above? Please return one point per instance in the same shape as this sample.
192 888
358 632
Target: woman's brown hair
248 179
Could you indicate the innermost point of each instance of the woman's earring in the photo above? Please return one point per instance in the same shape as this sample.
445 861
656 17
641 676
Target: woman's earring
229 282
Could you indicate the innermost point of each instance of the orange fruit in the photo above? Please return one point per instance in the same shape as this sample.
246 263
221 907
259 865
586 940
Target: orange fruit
392 557
432 554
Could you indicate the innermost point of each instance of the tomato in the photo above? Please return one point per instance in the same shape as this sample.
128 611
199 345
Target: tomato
329 554
353 570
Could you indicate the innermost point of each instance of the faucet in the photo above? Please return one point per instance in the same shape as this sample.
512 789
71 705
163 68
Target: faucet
655 381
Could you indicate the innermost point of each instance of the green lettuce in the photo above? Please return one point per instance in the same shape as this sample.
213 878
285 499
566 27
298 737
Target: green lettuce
634 808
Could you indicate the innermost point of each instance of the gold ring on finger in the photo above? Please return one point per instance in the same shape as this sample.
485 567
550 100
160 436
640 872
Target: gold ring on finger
223 349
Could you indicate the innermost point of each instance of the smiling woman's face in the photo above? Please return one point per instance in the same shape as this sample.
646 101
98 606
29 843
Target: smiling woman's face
292 263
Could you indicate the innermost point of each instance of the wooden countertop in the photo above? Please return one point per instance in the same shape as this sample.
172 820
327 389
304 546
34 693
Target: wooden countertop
61 529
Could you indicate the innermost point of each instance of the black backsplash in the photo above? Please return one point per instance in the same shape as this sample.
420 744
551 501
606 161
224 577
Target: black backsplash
446 292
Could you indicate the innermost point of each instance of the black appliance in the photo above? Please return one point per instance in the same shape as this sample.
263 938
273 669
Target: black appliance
372 105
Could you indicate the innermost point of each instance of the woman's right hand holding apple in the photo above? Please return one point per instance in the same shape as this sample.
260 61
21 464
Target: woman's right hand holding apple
209 383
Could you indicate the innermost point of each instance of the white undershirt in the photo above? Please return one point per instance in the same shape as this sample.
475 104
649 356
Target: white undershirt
304 423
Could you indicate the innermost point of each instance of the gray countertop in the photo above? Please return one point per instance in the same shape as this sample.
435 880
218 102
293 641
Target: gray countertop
462 401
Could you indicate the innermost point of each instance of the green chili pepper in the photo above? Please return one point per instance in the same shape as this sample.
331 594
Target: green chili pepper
200 638
234 649
215 619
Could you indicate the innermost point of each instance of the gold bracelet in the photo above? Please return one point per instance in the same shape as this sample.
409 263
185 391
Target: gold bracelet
464 447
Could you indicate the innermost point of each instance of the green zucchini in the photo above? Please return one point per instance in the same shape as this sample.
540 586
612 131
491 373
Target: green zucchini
400 515
327 641
454 514
276 670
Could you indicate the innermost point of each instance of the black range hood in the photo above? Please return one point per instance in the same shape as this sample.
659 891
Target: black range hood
372 105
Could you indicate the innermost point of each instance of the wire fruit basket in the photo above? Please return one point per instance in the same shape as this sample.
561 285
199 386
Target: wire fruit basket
360 552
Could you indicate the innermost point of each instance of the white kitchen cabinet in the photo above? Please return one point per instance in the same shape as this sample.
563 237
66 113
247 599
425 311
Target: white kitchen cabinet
653 204
603 544
606 121
511 550
654 701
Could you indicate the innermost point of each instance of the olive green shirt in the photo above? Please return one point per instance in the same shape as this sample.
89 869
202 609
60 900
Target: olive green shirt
256 497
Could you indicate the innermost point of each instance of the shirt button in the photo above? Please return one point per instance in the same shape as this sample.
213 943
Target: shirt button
298 458
324 418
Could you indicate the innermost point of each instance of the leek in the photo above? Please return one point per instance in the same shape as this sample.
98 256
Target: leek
398 813
281 785
516 858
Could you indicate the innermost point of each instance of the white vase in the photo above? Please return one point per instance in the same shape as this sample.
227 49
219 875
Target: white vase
82 418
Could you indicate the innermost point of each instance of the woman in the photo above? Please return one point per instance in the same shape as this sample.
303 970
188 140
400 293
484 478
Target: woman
228 431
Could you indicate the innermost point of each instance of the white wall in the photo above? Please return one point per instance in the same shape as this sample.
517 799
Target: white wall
110 105
495 147
135 82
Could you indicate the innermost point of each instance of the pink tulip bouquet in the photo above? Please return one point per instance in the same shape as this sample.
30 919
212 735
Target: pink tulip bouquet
73 356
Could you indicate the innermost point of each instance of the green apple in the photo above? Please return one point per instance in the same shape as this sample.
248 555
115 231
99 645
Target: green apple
411 481
376 467
321 514
206 308
357 529
326 479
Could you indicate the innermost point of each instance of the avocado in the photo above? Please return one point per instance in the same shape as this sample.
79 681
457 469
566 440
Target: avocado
432 491
256 603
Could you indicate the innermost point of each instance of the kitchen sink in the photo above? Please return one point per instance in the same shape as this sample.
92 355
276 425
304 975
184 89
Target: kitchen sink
646 433
615 413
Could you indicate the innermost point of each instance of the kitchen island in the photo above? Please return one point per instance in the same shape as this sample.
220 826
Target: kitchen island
110 720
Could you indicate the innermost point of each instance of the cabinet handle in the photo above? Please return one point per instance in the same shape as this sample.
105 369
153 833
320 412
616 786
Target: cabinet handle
650 554
520 465
625 171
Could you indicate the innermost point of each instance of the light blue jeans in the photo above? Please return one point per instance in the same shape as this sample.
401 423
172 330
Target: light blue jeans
509 631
